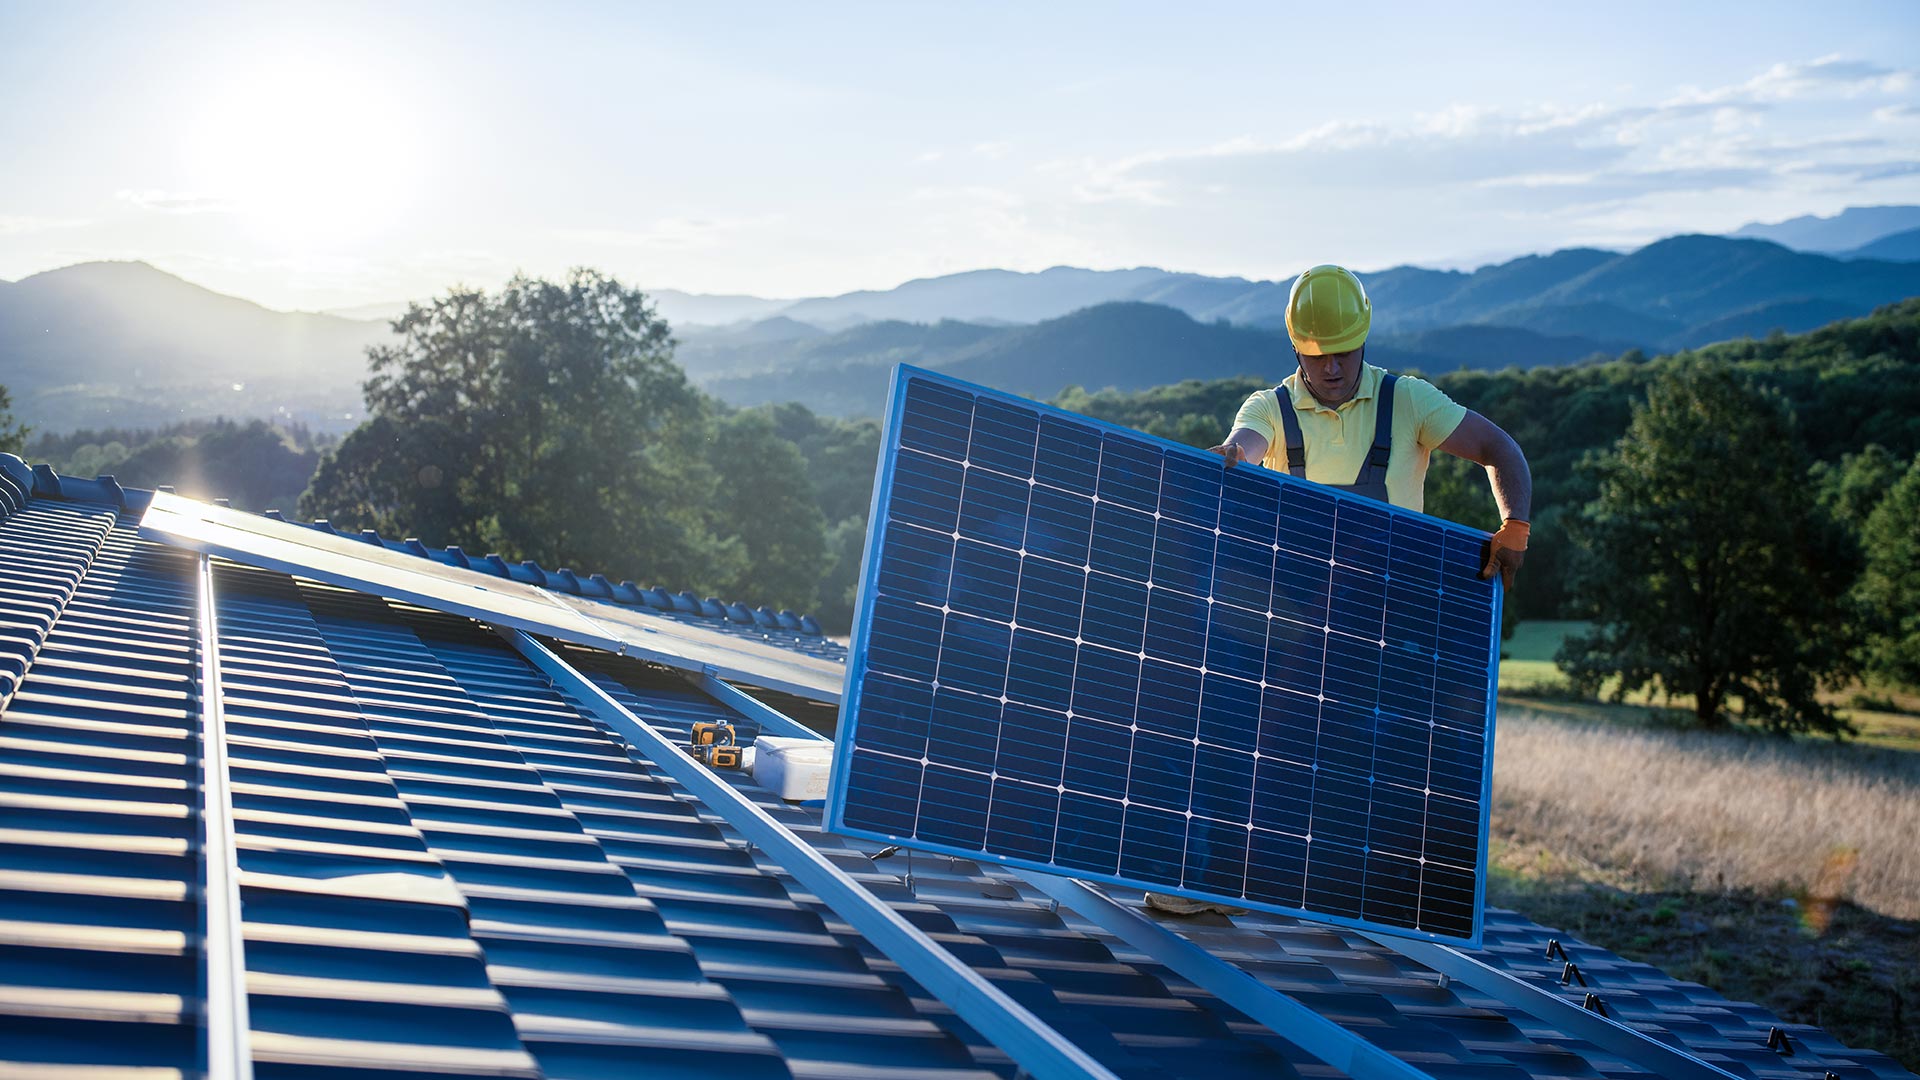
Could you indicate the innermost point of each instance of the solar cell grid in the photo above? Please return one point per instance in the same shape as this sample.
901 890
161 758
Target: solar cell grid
1093 652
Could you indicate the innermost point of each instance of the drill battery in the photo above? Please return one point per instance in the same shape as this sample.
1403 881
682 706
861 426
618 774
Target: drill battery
725 756
711 744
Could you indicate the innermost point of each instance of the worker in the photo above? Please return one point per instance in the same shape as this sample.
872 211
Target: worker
1340 421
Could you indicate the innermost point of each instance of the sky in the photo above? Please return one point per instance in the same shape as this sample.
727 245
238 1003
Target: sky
329 155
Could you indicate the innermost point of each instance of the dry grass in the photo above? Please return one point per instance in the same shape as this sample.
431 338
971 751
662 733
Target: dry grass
1716 812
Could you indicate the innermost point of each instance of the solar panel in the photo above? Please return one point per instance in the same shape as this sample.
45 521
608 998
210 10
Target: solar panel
1088 651
373 568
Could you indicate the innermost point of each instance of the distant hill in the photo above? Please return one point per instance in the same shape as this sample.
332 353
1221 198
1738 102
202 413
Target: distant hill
1785 317
1011 296
1851 228
1899 247
123 344
1656 297
1125 346
710 309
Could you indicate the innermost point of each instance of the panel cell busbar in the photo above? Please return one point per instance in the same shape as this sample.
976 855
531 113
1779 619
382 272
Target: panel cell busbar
1087 651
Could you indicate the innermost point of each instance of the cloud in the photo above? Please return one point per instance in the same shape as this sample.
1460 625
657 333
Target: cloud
1889 172
992 151
1752 136
1828 75
171 202
18 224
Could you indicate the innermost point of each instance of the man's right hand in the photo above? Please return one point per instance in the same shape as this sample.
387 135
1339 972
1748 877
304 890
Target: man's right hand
1228 450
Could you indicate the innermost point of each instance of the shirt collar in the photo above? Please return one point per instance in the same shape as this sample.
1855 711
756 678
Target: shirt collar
1304 400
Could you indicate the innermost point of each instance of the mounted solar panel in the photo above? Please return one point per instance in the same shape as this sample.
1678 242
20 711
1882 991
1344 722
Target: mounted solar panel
373 568
1091 652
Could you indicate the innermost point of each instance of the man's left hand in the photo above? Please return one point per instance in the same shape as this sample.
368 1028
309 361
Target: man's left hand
1506 551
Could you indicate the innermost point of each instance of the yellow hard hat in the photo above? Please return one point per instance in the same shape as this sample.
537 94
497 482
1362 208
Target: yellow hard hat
1328 312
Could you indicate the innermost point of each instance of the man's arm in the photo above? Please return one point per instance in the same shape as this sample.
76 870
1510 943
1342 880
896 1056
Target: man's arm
1243 444
1481 441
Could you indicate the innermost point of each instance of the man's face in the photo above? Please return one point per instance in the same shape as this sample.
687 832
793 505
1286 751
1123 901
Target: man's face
1334 377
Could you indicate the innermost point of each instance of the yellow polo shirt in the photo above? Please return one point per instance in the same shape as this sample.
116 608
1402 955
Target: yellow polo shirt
1338 439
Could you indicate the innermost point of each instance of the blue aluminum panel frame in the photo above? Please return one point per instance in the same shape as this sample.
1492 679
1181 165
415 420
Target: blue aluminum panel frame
856 668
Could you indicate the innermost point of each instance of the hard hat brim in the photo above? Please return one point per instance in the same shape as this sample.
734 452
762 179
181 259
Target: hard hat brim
1346 342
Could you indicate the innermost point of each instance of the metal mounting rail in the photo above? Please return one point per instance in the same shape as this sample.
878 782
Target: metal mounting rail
1331 1043
1636 1046
1032 1043
228 1028
770 718
1298 1024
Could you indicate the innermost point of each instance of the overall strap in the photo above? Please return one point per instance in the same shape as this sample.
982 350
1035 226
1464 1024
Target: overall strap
1382 449
1296 444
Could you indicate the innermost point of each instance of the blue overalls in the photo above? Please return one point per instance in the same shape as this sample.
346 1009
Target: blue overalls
1372 481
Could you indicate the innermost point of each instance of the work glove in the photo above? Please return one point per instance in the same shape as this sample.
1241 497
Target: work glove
1506 551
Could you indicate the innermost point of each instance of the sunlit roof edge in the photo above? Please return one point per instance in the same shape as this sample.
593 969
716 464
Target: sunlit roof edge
350 563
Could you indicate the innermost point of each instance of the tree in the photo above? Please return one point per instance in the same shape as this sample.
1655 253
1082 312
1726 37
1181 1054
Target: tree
1850 489
764 506
1706 564
1889 588
547 420
13 437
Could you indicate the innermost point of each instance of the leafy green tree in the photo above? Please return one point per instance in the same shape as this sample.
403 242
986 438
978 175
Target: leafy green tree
253 464
547 420
13 437
840 456
764 509
1706 563
1890 586
846 547
1850 488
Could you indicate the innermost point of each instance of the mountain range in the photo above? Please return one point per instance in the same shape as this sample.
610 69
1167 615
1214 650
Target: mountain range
125 344
1153 327
1848 231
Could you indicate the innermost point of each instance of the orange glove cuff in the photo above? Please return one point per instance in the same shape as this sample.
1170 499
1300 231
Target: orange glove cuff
1513 534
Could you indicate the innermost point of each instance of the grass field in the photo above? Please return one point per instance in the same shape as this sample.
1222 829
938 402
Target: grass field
1716 811
1780 871
1888 719
1526 658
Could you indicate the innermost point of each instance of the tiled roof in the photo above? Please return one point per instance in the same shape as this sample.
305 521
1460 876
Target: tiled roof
450 867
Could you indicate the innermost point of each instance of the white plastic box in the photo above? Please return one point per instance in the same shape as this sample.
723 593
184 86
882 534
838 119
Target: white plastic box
794 769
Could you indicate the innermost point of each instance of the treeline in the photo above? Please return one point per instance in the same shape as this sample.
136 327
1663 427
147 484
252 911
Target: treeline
256 465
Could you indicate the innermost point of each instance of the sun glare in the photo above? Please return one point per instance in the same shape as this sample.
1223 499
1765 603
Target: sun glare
310 157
